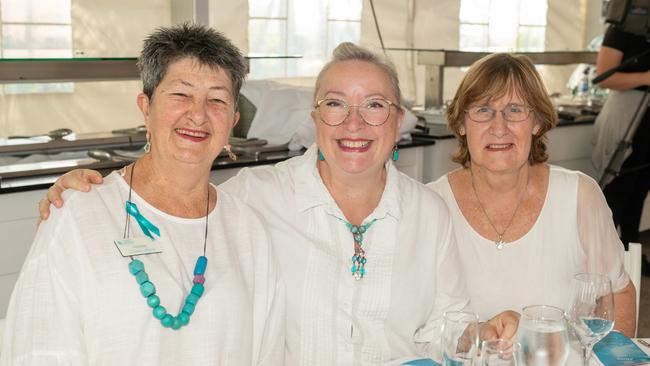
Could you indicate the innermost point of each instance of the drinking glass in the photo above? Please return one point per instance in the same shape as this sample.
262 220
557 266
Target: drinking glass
500 352
459 340
591 310
543 336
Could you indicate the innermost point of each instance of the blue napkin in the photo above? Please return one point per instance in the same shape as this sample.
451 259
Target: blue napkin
618 350
422 362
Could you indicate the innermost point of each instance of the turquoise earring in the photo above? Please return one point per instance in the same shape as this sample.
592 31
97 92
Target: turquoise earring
320 156
395 153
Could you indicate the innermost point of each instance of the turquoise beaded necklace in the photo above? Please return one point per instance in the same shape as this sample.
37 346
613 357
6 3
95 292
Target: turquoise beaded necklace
359 260
147 288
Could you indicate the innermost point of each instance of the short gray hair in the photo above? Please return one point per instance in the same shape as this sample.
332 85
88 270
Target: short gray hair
348 51
170 44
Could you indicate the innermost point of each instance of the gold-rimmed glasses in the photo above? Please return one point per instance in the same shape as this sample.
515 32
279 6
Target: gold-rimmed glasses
374 112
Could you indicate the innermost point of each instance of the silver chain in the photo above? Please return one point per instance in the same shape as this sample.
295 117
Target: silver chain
499 242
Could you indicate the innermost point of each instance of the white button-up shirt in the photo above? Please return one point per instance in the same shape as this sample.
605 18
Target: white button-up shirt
412 274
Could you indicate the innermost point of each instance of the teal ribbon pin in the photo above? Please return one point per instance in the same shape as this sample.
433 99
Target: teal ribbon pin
146 225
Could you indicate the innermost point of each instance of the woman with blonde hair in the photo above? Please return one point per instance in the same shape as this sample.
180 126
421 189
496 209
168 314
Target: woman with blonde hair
367 254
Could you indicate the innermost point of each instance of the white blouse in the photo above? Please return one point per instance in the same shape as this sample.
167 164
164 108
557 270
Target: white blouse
76 303
412 273
574 233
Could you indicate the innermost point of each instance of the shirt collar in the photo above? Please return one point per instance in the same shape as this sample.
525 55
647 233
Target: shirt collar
311 191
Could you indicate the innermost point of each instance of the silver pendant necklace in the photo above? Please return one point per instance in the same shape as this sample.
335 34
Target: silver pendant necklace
499 243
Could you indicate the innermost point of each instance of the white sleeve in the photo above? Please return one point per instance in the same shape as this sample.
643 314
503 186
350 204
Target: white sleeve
44 324
238 185
451 291
598 236
269 303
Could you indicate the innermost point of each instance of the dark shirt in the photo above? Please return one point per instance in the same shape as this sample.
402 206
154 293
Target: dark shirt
631 45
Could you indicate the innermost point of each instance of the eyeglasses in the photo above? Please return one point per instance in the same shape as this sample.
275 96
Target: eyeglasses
511 113
374 112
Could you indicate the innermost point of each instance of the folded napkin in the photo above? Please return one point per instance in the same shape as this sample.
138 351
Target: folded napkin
618 350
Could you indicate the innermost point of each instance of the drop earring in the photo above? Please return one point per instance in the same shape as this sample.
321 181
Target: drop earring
147 146
231 154
321 157
395 152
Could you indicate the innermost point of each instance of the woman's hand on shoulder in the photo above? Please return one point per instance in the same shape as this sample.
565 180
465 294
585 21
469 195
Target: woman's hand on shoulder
78 179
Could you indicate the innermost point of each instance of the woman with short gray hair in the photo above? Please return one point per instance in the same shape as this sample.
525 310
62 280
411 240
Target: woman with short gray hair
120 275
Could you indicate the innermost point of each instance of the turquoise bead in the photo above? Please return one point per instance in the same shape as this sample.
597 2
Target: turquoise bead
153 301
192 299
147 289
353 269
198 289
141 277
184 318
201 264
176 323
362 229
159 312
363 271
136 266
188 308
167 321
354 229
358 238
363 260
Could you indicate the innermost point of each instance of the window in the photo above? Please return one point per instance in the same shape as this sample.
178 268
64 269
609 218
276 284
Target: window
502 25
35 29
309 28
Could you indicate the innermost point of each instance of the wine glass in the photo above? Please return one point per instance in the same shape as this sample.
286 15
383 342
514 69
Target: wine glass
591 310
543 336
459 340
500 352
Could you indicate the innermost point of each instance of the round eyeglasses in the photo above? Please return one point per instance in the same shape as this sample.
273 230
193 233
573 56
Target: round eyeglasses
511 113
374 112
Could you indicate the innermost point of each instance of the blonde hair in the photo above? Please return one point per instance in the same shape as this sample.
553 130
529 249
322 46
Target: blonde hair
348 51
493 77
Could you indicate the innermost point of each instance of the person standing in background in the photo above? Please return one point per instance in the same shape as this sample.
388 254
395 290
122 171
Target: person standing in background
626 193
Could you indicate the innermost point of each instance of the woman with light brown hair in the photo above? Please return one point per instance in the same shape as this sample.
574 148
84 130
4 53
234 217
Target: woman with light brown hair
524 228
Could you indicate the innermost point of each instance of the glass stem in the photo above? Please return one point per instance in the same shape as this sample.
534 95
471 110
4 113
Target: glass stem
587 352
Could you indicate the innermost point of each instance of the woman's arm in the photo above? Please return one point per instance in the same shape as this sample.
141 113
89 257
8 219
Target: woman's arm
78 179
604 251
609 58
625 302
44 325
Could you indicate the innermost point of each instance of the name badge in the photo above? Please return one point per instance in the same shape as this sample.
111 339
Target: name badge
137 246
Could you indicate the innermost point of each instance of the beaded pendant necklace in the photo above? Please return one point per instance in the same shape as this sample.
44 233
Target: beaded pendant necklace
148 289
359 260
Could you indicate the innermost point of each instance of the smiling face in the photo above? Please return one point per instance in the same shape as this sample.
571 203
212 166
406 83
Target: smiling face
499 145
190 114
354 146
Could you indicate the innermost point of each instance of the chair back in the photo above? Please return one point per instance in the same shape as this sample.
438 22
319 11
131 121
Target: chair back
632 263
2 328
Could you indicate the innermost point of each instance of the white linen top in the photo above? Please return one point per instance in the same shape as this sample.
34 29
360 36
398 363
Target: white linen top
574 233
76 303
412 273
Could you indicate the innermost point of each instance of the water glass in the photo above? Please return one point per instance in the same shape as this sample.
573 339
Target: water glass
459 341
500 352
591 310
543 336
